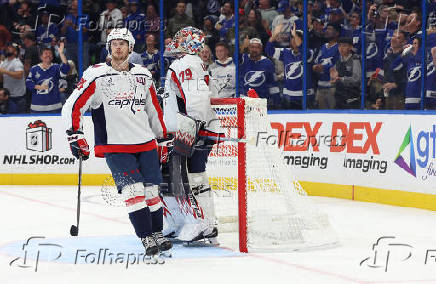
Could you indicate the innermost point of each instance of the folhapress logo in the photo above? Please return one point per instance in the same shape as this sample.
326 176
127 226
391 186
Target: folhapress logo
424 145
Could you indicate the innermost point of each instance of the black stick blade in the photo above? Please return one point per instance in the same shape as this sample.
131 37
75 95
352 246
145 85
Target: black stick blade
74 231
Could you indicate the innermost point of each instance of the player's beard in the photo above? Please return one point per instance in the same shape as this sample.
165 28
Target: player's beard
120 62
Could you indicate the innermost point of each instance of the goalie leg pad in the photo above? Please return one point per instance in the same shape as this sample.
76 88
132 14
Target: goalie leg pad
200 188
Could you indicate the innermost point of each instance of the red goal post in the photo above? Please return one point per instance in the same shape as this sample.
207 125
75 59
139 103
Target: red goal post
274 212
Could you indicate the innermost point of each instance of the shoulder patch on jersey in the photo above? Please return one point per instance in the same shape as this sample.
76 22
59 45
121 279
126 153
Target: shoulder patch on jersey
97 65
81 83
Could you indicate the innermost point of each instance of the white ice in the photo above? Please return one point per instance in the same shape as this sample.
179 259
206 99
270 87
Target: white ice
408 257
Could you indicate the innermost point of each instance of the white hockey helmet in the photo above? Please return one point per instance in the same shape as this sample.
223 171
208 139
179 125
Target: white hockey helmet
188 40
120 33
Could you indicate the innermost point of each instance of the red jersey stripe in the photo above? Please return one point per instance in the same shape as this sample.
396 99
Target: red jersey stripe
158 109
79 104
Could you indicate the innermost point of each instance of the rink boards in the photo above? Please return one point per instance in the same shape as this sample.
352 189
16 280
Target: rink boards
385 158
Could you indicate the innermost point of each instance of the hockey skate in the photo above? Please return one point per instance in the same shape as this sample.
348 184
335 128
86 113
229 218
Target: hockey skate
151 247
163 244
203 234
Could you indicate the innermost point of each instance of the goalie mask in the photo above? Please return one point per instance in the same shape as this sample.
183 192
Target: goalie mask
188 40
123 34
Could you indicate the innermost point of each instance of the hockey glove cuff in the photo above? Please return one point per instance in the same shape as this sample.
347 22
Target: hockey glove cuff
78 144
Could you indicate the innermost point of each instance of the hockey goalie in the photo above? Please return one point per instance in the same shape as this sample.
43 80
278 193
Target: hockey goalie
189 208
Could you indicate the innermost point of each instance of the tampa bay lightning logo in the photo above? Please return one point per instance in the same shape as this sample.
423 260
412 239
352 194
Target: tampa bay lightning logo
294 70
371 50
414 74
327 61
254 78
430 69
46 82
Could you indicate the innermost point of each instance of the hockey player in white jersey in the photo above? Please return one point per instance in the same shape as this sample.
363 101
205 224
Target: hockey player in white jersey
127 122
187 92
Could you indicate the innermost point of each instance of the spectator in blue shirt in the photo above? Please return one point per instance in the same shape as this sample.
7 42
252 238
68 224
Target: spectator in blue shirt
6 105
70 29
43 81
46 30
150 57
135 22
226 20
257 72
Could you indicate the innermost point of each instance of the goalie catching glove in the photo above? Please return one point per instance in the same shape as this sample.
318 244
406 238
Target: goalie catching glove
78 145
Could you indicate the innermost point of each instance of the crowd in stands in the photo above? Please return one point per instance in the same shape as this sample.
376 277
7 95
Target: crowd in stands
39 49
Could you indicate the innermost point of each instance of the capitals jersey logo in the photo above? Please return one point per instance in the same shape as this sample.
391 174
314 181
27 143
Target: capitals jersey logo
46 82
294 70
254 78
414 74
371 50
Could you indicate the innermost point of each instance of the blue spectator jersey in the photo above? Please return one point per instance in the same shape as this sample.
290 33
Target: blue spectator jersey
430 100
72 35
226 24
413 86
49 99
293 85
44 34
355 35
150 61
260 76
135 23
327 57
413 67
375 50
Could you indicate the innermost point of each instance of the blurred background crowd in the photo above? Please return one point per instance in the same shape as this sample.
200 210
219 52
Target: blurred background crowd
39 49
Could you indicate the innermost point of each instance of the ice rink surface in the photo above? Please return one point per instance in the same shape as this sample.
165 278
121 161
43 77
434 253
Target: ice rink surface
378 244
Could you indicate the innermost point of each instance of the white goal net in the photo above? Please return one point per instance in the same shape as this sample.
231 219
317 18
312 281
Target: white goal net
272 209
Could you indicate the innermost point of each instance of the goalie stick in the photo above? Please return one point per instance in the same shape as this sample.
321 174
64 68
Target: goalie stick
204 135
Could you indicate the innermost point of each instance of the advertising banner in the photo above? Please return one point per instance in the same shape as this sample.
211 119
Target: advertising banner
386 151
38 145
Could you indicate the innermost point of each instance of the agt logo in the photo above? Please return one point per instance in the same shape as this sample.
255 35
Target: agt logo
424 144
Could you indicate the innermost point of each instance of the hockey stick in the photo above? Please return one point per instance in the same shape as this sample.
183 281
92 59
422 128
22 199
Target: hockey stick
74 230
189 195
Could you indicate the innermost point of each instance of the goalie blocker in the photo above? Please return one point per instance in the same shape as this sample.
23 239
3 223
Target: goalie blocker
191 133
